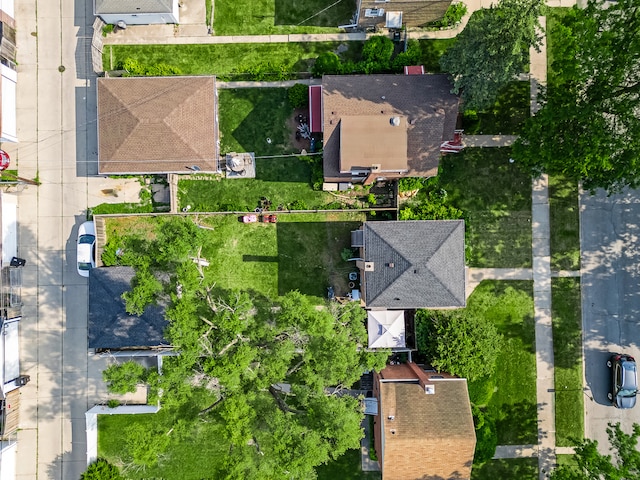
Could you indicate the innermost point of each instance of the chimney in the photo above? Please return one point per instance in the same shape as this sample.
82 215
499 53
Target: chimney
428 387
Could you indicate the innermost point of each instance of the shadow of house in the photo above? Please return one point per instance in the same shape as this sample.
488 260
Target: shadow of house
157 125
111 328
411 264
424 426
385 126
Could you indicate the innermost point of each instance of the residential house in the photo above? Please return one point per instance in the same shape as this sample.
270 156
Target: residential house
385 126
423 429
110 327
156 125
8 75
398 13
137 12
411 264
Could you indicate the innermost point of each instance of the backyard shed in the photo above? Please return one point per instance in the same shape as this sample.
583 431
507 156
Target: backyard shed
137 12
157 125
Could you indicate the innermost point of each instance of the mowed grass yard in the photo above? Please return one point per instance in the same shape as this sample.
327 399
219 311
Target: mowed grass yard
496 198
281 180
567 351
300 252
223 60
262 17
507 469
250 116
509 395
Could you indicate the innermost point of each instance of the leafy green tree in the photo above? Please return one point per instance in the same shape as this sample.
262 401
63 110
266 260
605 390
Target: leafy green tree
593 465
124 377
378 49
101 470
461 342
327 63
492 50
589 127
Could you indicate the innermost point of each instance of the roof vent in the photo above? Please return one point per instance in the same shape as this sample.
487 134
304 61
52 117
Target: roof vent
391 265
383 97
394 121
368 266
376 167
393 431
412 121
430 389
391 417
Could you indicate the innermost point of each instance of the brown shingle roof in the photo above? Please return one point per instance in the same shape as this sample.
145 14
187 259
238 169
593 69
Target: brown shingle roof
157 124
425 100
415 13
429 436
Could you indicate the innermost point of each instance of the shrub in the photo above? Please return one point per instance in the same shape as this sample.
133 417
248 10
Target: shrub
113 403
452 16
486 436
136 69
124 377
409 184
378 49
107 29
298 95
346 254
326 63
411 57
298 205
101 470
371 199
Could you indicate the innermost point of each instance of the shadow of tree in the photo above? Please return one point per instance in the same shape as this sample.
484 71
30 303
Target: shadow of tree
516 423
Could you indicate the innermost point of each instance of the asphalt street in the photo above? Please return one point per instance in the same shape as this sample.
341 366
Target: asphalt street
610 231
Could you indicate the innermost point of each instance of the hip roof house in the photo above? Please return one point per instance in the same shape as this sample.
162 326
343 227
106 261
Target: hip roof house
157 125
137 12
424 427
385 126
411 264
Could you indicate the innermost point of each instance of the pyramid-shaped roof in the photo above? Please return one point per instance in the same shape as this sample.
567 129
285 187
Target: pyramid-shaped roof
414 264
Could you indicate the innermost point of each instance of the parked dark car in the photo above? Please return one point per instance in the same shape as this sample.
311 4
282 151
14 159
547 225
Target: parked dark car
624 380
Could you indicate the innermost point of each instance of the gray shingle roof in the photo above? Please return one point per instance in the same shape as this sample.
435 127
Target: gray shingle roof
133 6
426 100
417 264
110 326
157 124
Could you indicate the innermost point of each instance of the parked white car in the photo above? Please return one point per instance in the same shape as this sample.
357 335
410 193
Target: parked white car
86 248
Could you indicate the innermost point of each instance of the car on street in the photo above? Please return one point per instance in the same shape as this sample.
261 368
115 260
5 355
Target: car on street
624 380
86 248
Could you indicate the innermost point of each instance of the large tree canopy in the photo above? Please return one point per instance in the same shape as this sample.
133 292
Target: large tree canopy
593 465
589 125
274 374
492 50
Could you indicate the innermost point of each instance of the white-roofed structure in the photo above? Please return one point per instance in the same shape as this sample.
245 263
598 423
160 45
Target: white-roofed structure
386 329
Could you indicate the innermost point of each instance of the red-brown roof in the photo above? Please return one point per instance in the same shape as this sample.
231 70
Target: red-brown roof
414 70
157 124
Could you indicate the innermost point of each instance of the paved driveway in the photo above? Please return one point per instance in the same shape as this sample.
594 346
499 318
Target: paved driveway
610 229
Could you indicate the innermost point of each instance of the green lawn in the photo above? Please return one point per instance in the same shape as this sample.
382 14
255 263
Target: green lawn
248 116
300 252
227 61
188 457
432 50
281 180
507 115
347 467
496 198
262 17
567 350
564 216
507 469
509 395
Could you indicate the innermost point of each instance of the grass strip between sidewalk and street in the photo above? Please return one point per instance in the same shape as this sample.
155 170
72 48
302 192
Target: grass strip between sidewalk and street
567 351
564 218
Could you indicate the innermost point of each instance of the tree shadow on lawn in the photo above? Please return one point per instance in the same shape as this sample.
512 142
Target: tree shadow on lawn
516 424
309 255
289 169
